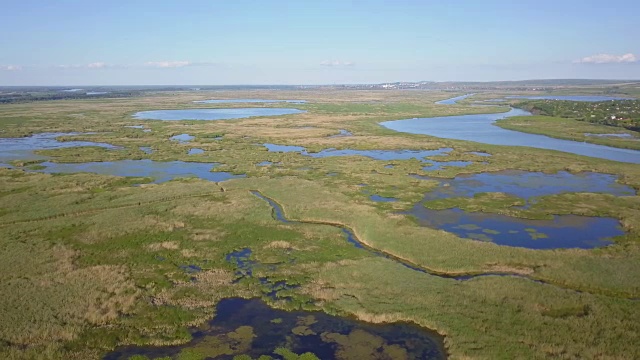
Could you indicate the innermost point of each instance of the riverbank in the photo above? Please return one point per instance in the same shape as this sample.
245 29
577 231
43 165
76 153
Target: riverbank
569 129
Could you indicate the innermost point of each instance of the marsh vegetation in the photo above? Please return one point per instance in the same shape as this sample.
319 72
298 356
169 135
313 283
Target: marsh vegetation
117 241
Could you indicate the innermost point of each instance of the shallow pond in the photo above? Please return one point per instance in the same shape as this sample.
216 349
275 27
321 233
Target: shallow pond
565 231
234 101
251 327
213 114
379 155
480 128
195 151
22 148
146 149
373 154
443 164
378 198
342 133
182 138
160 171
526 184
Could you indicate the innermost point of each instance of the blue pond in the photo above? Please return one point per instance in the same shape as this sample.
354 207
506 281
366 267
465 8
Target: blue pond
373 154
526 185
563 231
195 151
480 128
182 138
566 231
212 114
267 335
248 101
378 198
381 154
160 171
444 164
146 149
22 148
378 155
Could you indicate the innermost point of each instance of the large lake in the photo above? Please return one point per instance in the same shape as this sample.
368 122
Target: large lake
480 128
213 114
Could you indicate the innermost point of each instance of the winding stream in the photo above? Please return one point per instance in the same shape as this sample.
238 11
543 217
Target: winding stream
351 237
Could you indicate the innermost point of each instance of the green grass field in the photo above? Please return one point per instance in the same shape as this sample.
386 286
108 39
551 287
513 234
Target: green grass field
90 262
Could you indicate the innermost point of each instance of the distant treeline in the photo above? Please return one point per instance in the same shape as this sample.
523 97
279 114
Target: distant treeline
619 113
21 97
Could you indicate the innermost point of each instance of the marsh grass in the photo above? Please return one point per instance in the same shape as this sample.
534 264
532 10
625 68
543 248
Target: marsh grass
103 263
570 129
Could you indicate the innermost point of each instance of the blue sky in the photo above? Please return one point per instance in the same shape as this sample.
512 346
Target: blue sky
314 42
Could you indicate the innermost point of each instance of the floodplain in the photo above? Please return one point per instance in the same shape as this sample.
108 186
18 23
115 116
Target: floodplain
314 233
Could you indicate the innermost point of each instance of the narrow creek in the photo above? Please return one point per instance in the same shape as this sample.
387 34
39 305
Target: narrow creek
351 237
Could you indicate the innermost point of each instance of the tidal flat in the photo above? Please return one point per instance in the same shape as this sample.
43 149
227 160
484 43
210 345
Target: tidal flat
123 244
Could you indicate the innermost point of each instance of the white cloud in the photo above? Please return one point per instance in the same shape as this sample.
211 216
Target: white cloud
96 65
607 59
11 67
167 64
336 63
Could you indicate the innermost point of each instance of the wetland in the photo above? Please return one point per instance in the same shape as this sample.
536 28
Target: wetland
311 233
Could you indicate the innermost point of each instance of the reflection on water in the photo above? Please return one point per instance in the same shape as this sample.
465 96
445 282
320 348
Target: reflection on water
443 164
160 171
480 128
182 138
212 114
453 100
563 231
252 328
146 149
233 101
22 148
195 151
525 184
378 198
373 154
